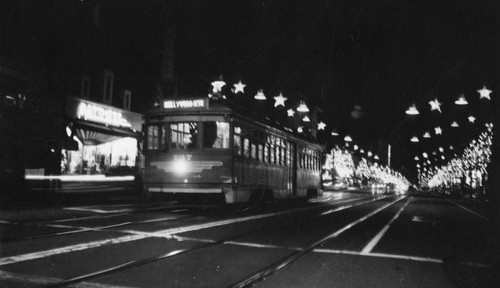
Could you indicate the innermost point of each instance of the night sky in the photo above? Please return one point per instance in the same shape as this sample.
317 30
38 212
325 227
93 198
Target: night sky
380 55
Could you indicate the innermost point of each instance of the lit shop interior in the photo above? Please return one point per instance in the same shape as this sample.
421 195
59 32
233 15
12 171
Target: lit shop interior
100 153
107 137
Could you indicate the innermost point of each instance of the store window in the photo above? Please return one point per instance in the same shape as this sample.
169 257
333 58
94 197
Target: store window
183 135
216 135
116 155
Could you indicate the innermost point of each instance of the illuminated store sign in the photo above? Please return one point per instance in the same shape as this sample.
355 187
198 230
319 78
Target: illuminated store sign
101 114
185 104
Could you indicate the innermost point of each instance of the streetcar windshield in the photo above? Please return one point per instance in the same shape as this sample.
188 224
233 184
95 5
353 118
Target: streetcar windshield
183 135
189 135
215 135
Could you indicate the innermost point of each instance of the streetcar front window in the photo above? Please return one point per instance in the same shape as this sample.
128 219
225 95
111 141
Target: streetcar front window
216 135
153 140
183 135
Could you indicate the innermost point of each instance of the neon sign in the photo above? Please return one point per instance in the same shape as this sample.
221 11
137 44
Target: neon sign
185 104
96 113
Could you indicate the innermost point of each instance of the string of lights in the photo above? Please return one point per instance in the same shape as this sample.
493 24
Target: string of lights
470 166
340 169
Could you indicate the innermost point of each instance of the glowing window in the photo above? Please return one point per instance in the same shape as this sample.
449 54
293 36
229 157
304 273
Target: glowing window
184 135
266 153
153 137
246 148
216 135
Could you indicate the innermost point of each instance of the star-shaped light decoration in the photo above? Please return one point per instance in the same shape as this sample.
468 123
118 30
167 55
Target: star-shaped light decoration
321 125
217 86
356 147
435 105
484 93
427 135
290 112
362 151
472 119
414 139
438 131
412 110
369 153
425 155
442 157
300 129
441 149
461 100
280 100
376 157
260 95
306 119
239 87
416 158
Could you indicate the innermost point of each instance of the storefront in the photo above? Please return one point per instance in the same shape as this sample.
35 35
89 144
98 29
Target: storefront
108 139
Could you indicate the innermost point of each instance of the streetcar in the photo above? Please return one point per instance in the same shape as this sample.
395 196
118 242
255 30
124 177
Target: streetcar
201 148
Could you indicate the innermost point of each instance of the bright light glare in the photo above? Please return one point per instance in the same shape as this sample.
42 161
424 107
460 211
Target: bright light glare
180 166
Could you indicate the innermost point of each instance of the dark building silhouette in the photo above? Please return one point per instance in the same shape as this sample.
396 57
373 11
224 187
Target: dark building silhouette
107 52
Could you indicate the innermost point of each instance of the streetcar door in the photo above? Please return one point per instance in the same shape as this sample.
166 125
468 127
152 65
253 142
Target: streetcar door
292 168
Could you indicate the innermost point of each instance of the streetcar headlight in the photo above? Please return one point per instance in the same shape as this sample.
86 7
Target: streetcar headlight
181 166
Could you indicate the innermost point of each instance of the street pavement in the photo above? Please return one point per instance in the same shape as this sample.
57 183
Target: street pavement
343 239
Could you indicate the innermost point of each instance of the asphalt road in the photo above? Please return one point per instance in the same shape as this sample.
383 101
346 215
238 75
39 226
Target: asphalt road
344 239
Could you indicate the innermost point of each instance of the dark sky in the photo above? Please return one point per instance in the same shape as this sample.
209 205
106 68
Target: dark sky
380 55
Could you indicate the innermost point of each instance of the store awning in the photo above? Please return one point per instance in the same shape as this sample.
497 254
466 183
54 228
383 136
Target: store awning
89 137
101 133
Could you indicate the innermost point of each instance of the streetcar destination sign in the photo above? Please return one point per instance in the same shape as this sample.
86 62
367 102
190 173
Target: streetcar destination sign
185 104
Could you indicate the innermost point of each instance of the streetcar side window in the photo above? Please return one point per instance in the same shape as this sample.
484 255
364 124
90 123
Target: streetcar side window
184 135
164 138
253 151
237 140
266 153
261 152
273 154
246 148
282 152
153 137
216 135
